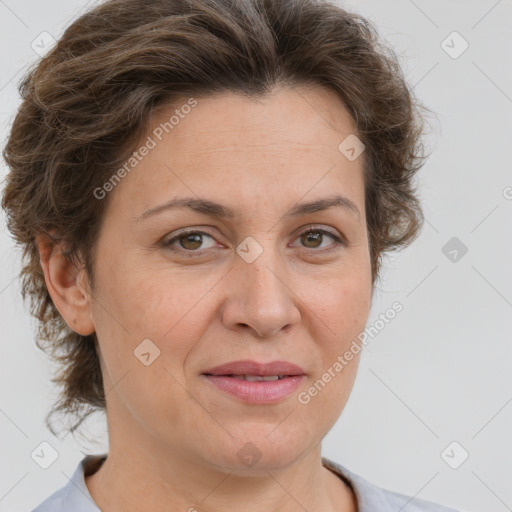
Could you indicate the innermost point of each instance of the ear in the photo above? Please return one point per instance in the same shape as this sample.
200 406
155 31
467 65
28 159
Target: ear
67 285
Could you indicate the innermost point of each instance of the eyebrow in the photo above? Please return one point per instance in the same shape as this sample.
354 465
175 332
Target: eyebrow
213 209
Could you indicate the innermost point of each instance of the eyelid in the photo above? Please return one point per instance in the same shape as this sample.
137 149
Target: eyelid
339 239
319 227
166 242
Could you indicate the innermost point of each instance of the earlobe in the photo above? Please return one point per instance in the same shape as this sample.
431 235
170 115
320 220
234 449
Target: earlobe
64 282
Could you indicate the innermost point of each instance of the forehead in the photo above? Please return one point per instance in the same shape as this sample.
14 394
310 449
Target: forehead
299 112
228 146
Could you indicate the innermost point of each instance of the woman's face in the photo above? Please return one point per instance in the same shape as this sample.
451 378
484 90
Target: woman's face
168 307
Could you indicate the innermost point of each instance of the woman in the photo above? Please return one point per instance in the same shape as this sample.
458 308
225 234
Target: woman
204 191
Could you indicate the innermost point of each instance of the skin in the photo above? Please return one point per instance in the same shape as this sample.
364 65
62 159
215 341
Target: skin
174 437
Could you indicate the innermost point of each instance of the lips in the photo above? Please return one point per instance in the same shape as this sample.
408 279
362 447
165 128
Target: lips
256 383
253 368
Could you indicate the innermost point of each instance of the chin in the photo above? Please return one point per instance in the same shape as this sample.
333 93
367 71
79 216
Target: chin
259 452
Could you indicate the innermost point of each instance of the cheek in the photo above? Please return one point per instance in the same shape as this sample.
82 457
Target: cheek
147 301
168 308
137 308
333 392
344 311
341 308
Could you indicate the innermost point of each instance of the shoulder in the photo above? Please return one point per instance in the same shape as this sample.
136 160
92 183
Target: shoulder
54 503
74 495
371 497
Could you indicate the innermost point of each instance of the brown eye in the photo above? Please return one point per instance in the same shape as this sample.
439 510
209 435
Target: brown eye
314 238
191 241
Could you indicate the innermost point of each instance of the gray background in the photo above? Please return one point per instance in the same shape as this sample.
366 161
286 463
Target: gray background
441 371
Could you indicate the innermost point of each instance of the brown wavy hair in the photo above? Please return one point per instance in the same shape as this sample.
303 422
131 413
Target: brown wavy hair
88 101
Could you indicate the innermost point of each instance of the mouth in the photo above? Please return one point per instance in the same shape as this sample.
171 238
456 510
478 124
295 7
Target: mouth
253 378
256 371
257 383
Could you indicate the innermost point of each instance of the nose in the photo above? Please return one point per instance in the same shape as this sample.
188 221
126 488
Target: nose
259 298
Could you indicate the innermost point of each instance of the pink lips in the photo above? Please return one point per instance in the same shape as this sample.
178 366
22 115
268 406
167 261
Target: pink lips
256 392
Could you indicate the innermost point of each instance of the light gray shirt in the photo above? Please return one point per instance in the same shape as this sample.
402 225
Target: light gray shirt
75 496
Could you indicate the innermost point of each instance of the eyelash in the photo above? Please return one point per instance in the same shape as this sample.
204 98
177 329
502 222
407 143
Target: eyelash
338 242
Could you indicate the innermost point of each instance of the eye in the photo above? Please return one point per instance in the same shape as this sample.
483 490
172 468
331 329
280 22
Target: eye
188 241
312 238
